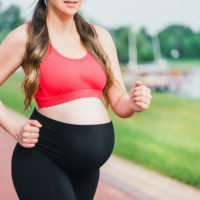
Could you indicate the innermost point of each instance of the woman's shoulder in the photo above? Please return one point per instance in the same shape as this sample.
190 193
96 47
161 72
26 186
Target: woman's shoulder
13 49
19 34
103 34
101 31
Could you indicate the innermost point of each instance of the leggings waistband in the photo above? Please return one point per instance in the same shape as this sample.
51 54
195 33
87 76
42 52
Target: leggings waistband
52 122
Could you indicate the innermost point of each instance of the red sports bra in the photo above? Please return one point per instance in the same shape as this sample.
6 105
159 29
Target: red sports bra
64 79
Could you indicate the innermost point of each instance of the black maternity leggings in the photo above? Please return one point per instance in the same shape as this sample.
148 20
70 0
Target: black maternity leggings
65 163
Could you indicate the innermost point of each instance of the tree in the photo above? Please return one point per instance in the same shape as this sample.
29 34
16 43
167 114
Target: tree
120 37
144 46
177 37
9 20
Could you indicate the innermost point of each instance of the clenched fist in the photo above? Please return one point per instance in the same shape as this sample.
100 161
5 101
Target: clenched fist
140 97
28 134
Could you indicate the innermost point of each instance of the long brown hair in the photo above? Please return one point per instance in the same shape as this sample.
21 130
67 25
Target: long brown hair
37 45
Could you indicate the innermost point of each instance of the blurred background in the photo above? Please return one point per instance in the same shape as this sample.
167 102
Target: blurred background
158 42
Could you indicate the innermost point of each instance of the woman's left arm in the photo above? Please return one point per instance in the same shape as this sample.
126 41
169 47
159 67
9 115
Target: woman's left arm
123 104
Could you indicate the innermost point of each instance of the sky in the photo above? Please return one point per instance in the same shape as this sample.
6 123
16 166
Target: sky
152 14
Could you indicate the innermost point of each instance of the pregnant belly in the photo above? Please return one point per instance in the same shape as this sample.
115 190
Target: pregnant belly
77 148
87 110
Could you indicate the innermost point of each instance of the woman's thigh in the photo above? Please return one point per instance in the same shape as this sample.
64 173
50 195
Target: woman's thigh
36 177
85 184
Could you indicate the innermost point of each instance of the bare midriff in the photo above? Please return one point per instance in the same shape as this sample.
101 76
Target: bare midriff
87 110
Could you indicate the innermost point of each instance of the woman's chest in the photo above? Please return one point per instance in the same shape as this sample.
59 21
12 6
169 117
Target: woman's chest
60 74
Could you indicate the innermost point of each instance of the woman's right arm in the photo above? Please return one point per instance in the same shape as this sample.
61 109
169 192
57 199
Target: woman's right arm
12 51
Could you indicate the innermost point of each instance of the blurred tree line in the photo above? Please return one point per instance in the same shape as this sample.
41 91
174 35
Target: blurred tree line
181 38
9 19
174 37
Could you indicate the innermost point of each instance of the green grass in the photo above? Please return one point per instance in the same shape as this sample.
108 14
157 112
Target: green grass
165 138
11 94
184 63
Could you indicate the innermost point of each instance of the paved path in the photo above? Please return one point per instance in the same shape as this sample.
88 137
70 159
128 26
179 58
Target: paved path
119 178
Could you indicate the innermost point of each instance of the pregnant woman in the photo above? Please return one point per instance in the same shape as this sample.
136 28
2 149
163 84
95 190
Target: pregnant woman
68 64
